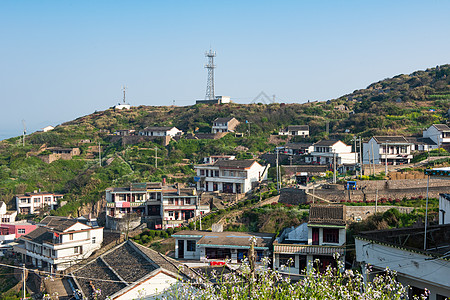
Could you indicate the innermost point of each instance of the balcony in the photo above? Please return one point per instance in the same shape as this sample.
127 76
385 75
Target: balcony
308 249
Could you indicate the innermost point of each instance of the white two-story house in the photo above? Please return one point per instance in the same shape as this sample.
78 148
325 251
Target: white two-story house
324 152
438 133
59 242
31 203
179 205
396 149
295 250
230 176
160 131
224 125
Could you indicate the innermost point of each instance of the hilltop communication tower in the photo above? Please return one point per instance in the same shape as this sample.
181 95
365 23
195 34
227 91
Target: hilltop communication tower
210 83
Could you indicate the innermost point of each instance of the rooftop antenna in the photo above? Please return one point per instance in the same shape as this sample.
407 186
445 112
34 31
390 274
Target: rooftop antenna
24 132
124 87
210 82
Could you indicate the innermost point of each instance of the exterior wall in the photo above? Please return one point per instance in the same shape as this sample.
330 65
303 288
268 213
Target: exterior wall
35 202
194 255
444 210
434 135
342 237
171 132
410 266
19 229
153 286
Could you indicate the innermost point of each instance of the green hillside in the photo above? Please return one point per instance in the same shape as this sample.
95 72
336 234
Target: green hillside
404 104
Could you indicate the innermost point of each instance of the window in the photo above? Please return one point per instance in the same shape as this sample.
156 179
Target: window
202 172
71 236
287 260
191 245
21 231
187 201
170 213
93 240
171 201
78 250
330 235
47 199
53 253
37 200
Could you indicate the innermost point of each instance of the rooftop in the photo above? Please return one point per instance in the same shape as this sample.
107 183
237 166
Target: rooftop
327 215
124 266
438 239
39 235
158 128
235 164
229 238
391 139
326 143
420 140
297 145
441 127
223 120
297 127
58 223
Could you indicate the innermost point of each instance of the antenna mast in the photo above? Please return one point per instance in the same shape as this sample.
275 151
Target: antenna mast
24 132
210 83
124 89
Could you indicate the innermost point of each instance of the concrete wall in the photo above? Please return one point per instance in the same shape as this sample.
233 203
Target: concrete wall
122 224
358 213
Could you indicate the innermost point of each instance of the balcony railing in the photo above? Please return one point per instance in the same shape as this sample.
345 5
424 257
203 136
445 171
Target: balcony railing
308 249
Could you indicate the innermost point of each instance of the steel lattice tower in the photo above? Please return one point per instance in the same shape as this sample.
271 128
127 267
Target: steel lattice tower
210 83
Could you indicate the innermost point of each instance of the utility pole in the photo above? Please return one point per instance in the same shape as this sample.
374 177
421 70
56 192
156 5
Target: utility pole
373 161
385 160
156 157
24 283
356 157
376 201
278 176
99 155
426 217
334 167
360 157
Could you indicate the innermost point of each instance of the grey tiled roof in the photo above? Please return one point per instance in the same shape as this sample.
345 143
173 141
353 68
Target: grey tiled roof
39 235
326 143
235 164
58 223
327 214
391 139
223 120
441 127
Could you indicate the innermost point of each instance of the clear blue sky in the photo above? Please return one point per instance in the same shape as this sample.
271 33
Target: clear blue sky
63 59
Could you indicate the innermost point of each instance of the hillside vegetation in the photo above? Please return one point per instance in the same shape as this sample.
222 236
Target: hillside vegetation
404 104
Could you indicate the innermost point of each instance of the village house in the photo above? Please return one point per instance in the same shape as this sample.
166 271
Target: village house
230 176
324 152
161 131
402 250
128 271
5 215
220 246
295 130
421 144
295 250
438 133
125 132
296 148
161 207
32 203
142 199
58 242
224 125
396 149
179 205
14 230
59 153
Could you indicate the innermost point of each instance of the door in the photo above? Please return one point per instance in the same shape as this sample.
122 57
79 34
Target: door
315 236
181 249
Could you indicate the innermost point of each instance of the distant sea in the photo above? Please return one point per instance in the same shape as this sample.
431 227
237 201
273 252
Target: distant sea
6 135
